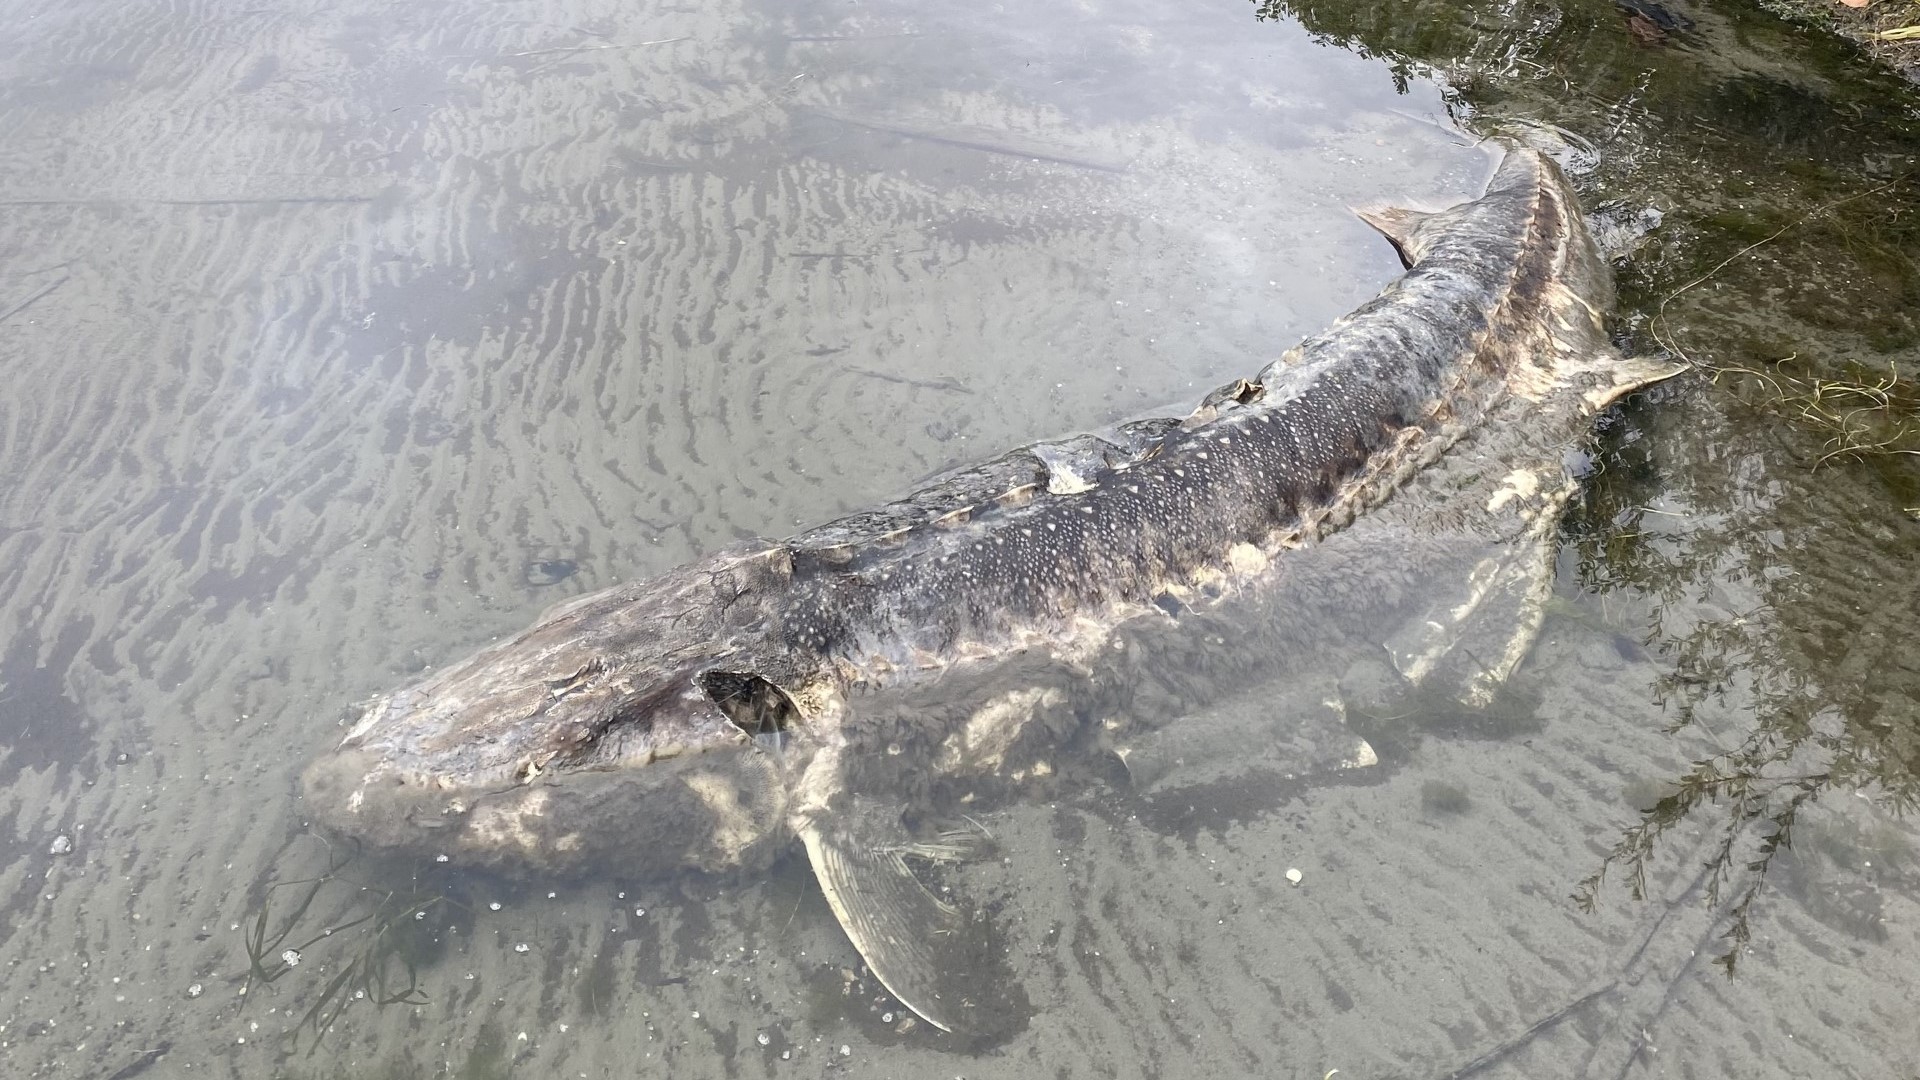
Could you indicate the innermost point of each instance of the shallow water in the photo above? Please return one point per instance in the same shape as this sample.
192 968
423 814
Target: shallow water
344 340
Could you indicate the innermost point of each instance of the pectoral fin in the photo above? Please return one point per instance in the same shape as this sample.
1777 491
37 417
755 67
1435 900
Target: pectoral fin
899 928
1284 730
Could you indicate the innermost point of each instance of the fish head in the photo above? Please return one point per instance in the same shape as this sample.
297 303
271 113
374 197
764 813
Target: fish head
645 724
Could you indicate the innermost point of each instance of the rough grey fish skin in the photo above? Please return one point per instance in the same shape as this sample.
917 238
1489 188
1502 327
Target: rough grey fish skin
708 717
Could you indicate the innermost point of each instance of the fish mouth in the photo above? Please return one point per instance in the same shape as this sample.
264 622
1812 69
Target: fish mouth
704 811
695 786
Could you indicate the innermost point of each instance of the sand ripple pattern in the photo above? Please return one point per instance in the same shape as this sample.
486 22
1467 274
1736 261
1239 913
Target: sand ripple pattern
340 339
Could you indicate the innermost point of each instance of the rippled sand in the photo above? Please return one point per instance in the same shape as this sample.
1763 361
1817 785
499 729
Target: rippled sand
340 340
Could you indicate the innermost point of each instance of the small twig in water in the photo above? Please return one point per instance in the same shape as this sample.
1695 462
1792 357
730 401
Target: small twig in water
1534 1030
22 305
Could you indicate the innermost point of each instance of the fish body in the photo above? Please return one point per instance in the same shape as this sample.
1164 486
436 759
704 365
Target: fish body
1078 591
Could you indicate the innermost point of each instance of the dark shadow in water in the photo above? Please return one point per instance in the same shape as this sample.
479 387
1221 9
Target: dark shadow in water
379 929
41 725
975 960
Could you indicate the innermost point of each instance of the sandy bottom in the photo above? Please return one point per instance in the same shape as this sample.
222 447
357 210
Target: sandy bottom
339 341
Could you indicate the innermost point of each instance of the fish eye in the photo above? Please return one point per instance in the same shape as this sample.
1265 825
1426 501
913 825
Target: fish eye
757 707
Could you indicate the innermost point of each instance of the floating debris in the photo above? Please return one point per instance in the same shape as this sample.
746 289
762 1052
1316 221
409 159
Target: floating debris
1294 875
522 947
61 845
291 958
763 1039
495 906
195 990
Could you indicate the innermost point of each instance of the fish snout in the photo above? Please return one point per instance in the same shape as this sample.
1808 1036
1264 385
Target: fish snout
349 793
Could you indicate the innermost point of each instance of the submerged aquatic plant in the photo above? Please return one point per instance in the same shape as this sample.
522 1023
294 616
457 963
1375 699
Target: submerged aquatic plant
1740 779
378 951
1779 597
1861 413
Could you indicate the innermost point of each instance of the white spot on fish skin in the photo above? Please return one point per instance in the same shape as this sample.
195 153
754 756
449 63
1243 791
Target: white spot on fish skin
982 743
509 824
1363 757
1064 481
1519 484
1246 559
736 830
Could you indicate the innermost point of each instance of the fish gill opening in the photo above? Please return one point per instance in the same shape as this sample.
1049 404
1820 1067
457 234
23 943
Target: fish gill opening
757 707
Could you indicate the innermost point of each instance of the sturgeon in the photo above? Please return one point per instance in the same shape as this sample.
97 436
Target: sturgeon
1399 474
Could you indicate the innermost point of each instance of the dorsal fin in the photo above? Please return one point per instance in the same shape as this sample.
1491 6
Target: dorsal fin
1397 224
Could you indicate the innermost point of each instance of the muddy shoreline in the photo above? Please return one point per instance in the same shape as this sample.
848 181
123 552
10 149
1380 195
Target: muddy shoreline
1862 27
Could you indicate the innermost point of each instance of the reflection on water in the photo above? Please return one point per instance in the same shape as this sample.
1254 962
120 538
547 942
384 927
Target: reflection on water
1775 542
342 340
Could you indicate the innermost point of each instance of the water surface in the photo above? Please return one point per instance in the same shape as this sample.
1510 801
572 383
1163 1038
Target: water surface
342 340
